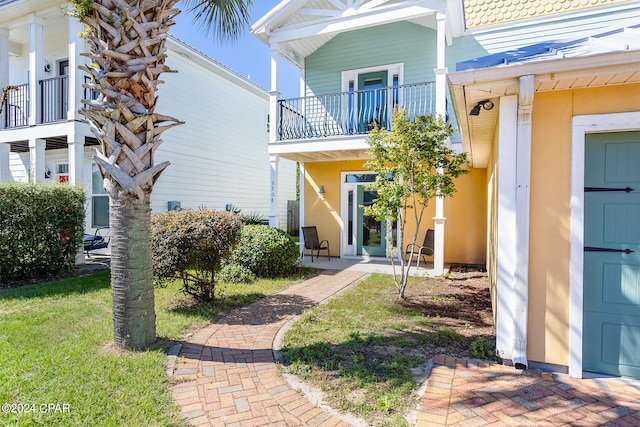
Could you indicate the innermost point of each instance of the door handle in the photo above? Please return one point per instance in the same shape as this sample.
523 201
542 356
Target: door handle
604 189
594 249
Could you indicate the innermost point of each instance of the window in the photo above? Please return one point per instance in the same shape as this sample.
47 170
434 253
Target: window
99 199
63 68
62 173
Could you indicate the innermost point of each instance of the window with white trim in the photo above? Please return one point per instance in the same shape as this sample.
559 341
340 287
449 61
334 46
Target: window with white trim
99 199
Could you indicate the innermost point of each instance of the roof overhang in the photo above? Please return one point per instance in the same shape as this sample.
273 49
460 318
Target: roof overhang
471 86
297 28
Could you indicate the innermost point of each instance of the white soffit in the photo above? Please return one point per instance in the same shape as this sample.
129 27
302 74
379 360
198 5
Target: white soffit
298 28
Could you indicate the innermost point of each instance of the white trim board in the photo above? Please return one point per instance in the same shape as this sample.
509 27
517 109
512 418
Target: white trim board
582 125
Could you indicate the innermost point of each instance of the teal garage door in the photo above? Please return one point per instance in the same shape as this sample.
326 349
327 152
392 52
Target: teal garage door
611 328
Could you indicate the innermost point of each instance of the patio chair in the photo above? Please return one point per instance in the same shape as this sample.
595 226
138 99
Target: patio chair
312 243
99 240
421 251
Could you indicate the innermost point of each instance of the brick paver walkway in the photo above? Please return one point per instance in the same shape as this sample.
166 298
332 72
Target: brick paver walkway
475 393
229 378
234 378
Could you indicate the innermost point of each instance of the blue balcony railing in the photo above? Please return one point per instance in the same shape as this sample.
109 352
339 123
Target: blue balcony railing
351 113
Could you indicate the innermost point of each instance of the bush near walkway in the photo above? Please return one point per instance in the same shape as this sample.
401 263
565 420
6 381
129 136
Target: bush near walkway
190 245
266 252
41 229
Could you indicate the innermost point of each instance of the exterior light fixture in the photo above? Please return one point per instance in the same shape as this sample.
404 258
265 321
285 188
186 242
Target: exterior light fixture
321 192
487 105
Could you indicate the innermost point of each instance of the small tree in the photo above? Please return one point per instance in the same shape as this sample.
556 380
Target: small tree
414 165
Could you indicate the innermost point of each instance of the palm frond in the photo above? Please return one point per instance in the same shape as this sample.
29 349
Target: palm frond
225 18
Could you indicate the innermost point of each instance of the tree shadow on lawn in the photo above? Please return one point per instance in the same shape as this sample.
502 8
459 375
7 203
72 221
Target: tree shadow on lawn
381 358
254 308
374 376
464 306
57 287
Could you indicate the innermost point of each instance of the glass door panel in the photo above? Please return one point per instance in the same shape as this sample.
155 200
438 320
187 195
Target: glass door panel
372 100
371 233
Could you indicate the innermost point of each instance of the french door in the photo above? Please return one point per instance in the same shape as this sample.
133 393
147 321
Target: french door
363 235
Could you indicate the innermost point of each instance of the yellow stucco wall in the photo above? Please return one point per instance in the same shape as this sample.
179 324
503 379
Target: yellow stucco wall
549 247
465 228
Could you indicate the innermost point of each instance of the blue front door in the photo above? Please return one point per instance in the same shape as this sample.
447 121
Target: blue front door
611 325
372 100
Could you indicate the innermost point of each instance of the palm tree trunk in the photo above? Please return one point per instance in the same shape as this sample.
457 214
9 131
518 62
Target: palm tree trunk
134 318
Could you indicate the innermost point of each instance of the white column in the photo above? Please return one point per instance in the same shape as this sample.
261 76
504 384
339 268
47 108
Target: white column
4 66
506 226
523 182
36 68
441 110
273 191
301 186
76 77
75 155
5 174
274 94
36 159
76 159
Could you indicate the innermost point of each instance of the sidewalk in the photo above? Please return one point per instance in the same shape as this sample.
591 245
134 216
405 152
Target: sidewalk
235 380
229 377
476 393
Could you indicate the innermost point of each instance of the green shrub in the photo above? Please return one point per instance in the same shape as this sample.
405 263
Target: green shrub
41 229
266 251
189 245
235 273
253 219
483 347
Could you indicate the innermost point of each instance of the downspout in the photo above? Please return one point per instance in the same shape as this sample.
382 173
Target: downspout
523 183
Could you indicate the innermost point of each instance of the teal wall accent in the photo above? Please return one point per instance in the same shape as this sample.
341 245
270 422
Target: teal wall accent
400 42
411 44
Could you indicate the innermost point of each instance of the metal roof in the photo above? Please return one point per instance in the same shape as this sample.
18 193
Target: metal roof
615 40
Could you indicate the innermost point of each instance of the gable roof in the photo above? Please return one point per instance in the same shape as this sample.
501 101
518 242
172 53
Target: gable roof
300 27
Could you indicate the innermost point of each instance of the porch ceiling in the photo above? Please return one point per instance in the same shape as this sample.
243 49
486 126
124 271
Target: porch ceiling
326 156
13 17
15 9
53 143
300 27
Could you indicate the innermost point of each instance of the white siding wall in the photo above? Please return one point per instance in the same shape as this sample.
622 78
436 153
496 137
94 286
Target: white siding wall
19 167
220 155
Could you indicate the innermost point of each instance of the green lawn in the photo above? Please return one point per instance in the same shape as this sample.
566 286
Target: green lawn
54 349
367 350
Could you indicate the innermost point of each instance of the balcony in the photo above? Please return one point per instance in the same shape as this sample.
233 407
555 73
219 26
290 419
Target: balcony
54 103
353 112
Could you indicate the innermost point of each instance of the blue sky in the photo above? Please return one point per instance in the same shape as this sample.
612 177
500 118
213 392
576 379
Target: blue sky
249 56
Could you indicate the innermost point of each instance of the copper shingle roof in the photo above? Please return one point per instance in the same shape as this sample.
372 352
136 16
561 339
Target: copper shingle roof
479 13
